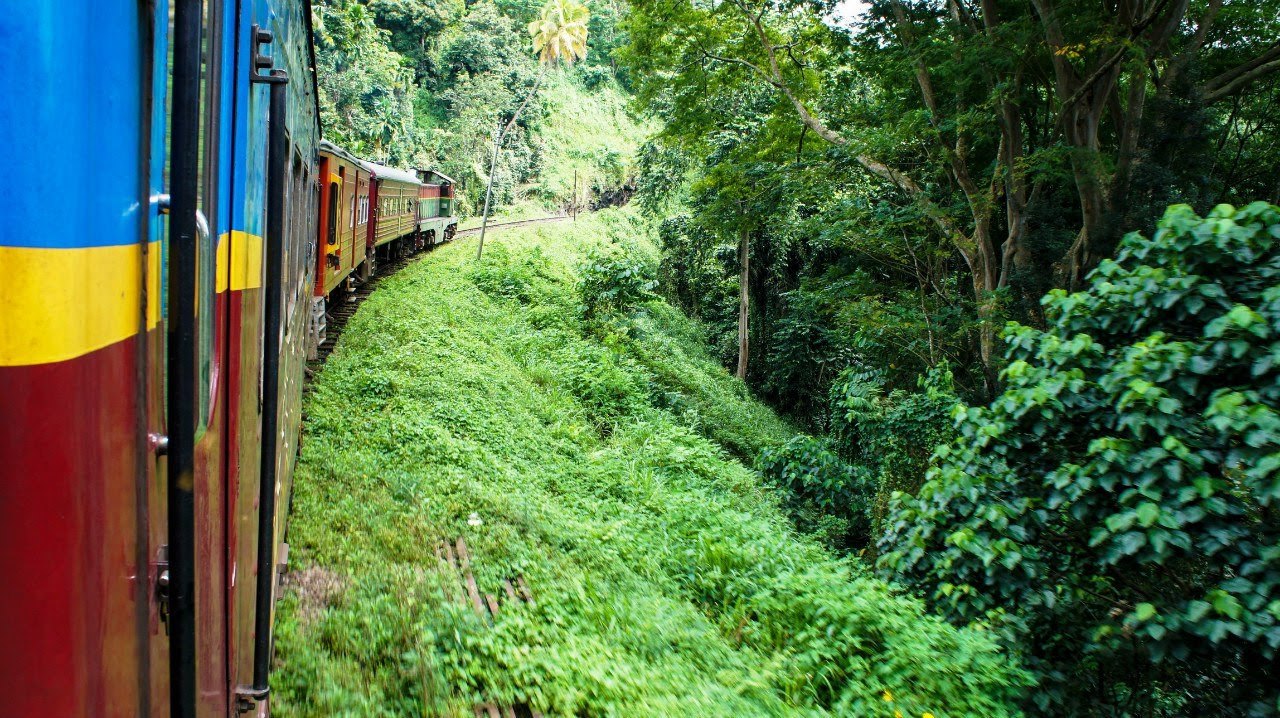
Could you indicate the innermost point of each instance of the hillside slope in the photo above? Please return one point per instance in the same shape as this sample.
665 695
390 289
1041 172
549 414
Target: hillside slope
601 465
588 134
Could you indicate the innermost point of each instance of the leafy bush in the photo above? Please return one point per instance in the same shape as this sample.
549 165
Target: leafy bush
1115 509
890 437
593 76
509 277
826 496
604 380
613 283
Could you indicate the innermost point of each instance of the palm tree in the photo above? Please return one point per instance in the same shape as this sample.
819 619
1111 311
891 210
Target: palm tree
560 35
559 38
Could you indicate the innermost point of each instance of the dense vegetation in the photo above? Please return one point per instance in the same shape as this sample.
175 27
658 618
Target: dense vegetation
417 84
583 438
907 187
1114 509
925 238
855 211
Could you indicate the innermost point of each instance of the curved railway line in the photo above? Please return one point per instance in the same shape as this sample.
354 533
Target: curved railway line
337 319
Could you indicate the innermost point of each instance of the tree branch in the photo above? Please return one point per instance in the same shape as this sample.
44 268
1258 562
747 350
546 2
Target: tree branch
1241 76
773 75
1193 47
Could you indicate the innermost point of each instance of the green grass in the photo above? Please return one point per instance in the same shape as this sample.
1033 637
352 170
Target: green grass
603 465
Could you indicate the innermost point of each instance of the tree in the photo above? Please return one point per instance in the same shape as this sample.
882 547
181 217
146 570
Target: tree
1114 511
1007 101
414 27
366 101
559 37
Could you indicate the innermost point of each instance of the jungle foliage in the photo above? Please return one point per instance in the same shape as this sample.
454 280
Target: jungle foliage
912 182
1074 517
1114 510
604 463
415 83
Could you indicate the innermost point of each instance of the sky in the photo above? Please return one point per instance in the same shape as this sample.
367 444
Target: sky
847 12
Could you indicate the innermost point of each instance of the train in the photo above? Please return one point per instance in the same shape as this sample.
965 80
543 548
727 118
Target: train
177 233
371 214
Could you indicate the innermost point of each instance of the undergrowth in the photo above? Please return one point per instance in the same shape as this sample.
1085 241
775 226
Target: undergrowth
607 462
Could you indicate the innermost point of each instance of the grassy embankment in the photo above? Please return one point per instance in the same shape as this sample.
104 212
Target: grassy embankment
606 467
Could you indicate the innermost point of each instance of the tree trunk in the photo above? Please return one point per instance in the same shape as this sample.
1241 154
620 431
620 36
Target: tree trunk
986 279
744 299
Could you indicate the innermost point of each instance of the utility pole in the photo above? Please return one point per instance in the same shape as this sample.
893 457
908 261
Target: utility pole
500 133
573 207
488 192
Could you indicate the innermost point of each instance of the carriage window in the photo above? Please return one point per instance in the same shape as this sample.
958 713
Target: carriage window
332 232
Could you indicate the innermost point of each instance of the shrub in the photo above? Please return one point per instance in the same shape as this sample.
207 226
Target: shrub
891 436
1115 509
825 496
613 283
604 380
594 76
506 276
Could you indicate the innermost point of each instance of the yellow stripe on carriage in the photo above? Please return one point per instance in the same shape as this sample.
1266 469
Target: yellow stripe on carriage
239 261
60 303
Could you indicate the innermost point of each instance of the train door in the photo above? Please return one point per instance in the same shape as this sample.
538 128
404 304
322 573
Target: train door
81 498
275 200
155 686
246 344
347 222
359 236
201 255
330 222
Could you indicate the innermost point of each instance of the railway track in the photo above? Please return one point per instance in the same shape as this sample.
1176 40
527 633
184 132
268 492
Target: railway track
513 224
337 317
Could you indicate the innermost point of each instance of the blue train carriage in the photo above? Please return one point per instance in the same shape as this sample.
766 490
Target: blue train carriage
151 347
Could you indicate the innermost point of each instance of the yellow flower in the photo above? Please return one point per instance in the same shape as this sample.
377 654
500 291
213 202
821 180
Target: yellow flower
888 697
897 714
927 714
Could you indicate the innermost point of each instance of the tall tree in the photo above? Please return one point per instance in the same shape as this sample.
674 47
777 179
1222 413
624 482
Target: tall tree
1009 99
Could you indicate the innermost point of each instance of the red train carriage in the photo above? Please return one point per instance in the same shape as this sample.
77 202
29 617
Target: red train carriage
342 248
394 228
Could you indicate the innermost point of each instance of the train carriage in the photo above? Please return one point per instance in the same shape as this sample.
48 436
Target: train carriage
153 339
394 228
436 220
342 234
151 347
